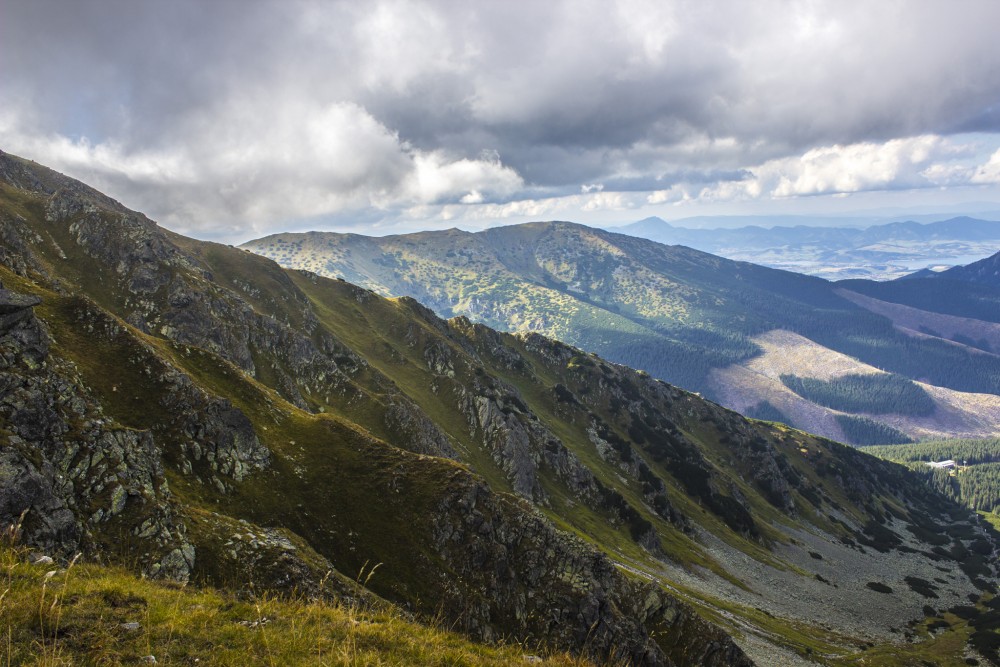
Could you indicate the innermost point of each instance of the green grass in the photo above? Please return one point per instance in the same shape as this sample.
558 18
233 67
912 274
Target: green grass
78 615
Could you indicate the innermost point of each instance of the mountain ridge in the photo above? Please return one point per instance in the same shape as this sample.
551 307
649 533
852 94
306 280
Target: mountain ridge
676 312
986 271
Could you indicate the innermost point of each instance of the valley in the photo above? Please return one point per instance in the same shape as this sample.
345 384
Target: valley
743 386
885 251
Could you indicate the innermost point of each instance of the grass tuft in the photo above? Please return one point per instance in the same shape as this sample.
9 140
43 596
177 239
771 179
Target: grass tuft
84 613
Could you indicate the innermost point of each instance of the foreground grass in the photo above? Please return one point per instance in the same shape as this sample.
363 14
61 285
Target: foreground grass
94 615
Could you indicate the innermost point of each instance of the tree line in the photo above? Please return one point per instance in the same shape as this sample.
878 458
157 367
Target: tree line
976 486
882 393
966 451
863 431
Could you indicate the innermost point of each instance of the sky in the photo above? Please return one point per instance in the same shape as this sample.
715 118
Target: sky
233 119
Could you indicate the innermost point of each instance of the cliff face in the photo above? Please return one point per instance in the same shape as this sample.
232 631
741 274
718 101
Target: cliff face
80 477
199 411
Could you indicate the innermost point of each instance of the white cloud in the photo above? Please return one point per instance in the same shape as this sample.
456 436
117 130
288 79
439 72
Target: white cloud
435 177
988 173
474 197
923 161
614 201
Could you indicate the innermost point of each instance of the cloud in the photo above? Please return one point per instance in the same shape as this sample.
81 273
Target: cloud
896 163
232 118
989 172
613 201
290 162
916 162
436 178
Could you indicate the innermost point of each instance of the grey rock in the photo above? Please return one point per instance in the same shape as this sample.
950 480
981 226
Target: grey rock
59 455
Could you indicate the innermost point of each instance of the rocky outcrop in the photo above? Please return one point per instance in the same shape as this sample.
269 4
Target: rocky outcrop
519 443
411 426
203 435
164 289
238 554
80 481
535 581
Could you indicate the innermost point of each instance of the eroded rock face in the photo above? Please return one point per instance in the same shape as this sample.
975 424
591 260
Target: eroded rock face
77 478
541 582
519 443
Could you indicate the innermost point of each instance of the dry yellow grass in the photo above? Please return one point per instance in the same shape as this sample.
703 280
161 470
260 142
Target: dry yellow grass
85 614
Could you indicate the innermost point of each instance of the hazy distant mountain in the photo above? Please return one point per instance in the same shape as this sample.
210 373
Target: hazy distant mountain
733 330
882 251
986 271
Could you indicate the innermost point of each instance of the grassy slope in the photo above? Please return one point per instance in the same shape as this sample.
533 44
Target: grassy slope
390 320
78 615
309 449
303 467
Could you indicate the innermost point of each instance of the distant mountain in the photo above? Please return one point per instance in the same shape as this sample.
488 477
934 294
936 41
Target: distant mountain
986 271
195 413
881 251
728 329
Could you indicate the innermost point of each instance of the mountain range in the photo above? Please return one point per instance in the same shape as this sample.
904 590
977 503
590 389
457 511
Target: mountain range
882 251
855 361
197 413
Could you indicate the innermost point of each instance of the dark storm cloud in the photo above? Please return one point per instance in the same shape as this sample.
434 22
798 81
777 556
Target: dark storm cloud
237 115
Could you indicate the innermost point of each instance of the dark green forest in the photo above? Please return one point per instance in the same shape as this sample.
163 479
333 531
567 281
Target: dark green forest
977 485
876 394
964 451
938 295
864 431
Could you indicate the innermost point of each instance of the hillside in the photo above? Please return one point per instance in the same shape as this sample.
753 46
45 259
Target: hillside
682 315
196 413
878 252
107 615
745 386
985 271
974 480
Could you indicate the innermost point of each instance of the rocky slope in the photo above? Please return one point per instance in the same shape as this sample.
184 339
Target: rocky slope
200 413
